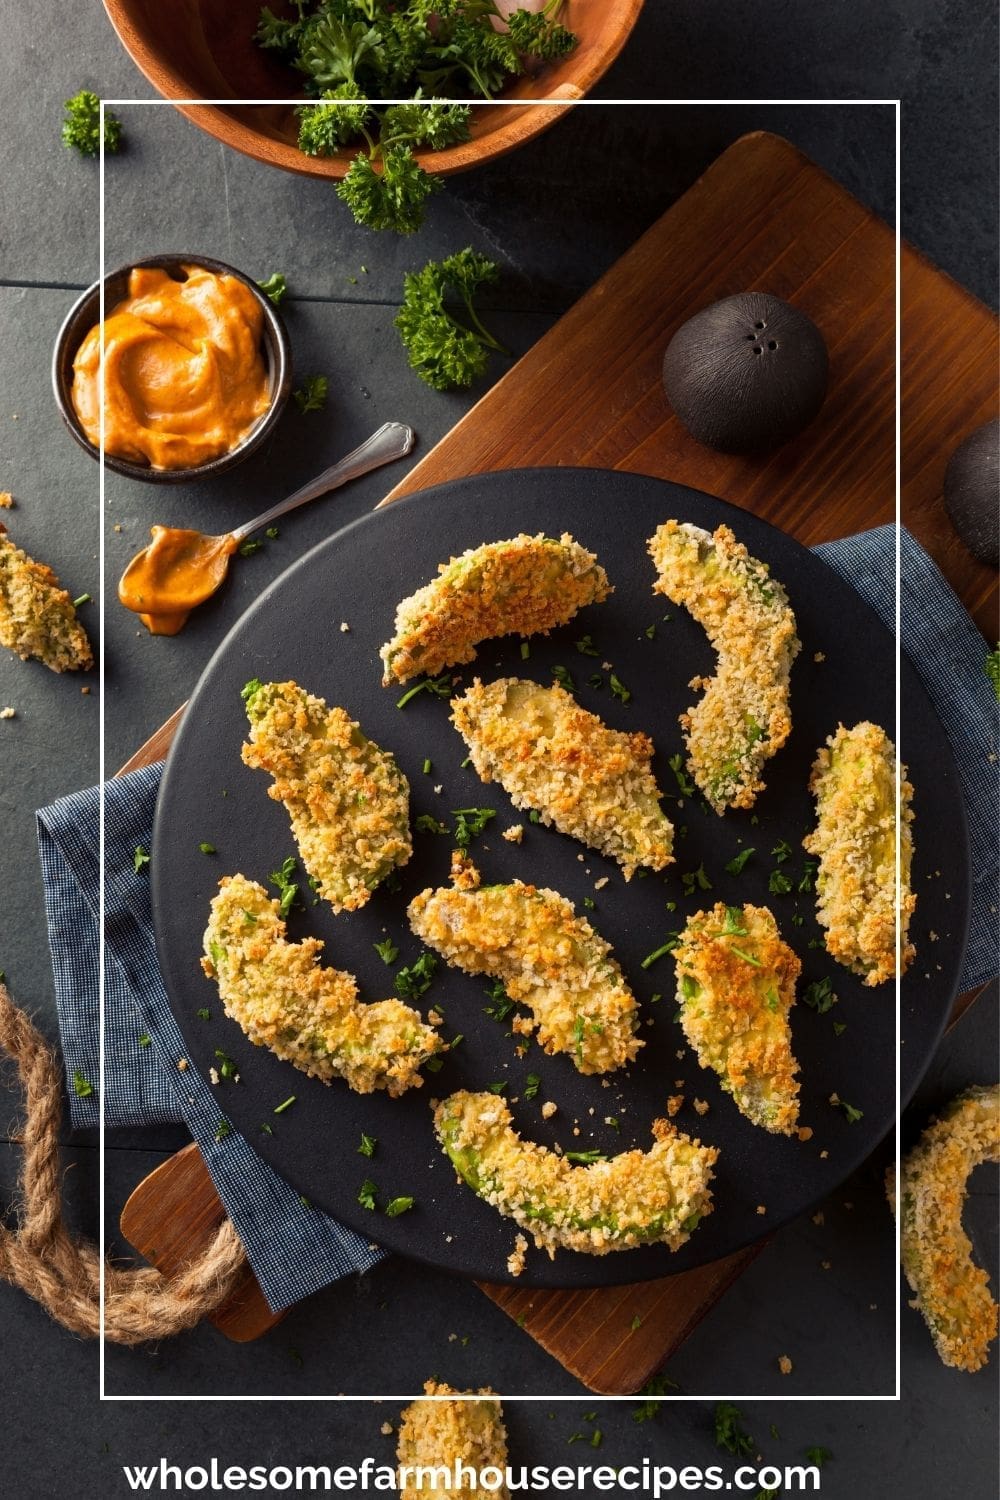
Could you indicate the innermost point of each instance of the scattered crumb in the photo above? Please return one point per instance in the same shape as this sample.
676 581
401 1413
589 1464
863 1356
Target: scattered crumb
182 1063
438 789
386 1429
6 500
118 526
701 1106
819 656
680 1054
826 1264
600 884
576 1130
435 1017
823 1155
819 1218
933 936
213 1075
8 713
784 1364
805 1133
834 1099
761 1208
606 666
85 690
873 1307
514 834
452 1338
678 1083
344 626
848 1205
548 1109
674 1103
515 1261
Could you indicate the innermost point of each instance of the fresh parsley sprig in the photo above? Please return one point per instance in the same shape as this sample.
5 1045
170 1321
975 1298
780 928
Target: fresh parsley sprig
445 351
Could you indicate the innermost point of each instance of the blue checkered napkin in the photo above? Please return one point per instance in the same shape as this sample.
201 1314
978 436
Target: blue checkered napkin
293 1249
949 656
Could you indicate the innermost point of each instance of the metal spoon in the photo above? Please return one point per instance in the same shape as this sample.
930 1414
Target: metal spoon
181 569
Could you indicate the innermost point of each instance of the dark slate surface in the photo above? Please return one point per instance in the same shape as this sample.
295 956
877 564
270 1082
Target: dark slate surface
555 216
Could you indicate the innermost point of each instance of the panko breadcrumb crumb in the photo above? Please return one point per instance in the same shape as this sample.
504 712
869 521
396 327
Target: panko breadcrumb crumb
547 958
637 1198
348 800
283 999
854 783
950 1290
37 617
735 988
6 500
593 783
744 717
525 586
440 1434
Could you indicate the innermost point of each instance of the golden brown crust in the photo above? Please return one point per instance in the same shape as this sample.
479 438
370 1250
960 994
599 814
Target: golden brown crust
37 617
744 717
735 987
854 783
593 783
310 1015
525 586
951 1291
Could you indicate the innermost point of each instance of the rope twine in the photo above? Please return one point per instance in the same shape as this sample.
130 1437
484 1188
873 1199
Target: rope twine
63 1272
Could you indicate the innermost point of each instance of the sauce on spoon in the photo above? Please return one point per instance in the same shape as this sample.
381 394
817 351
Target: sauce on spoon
177 571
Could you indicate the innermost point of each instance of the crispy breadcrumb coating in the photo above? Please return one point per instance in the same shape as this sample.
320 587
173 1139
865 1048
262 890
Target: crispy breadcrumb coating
951 1291
37 617
636 1198
591 782
284 999
525 586
854 783
439 1433
735 987
348 800
547 958
744 717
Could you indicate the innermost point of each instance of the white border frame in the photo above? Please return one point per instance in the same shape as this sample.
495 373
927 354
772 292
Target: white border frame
588 1397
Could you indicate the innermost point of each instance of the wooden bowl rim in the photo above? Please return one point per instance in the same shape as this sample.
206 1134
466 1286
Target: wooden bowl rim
522 123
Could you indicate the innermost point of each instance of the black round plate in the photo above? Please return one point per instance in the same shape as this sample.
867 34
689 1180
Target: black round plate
845 672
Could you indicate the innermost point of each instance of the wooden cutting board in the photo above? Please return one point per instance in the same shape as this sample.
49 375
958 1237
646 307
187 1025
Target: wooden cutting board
589 393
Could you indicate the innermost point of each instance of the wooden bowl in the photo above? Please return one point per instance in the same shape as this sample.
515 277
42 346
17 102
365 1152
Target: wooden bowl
204 49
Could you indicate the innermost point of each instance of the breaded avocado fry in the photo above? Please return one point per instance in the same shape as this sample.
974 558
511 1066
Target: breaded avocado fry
525 586
440 1434
744 717
950 1290
636 1198
854 783
591 782
735 987
348 800
37 616
548 959
284 999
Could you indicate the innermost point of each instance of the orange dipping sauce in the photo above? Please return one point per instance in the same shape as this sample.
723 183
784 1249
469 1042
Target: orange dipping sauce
177 571
184 377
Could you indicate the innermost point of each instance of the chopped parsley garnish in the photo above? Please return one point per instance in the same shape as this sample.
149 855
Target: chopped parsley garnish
818 1456
746 957
779 884
684 782
272 533
83 599
563 678
692 878
265 1129
204 1014
739 861
228 1070
635 1323
366 1195
658 1385
595 680
425 823
781 851
397 1206
427 766
368 1144
808 881
532 1084
730 1433
589 902
853 1115
218 953
283 882
251 688
992 670
386 950
673 938
534 816
618 689
274 288
470 822
415 980
839 1027
438 687
82 126
502 1004
145 1039
651 632
81 1087
248 548
586 647
586 1157
496 1088
312 396
819 996
733 925
222 1130
208 849
141 858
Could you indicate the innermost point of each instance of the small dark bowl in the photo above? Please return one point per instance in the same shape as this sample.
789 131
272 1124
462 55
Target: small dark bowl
85 314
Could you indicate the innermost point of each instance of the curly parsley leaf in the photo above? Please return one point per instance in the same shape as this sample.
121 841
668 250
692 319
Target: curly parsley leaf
445 351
